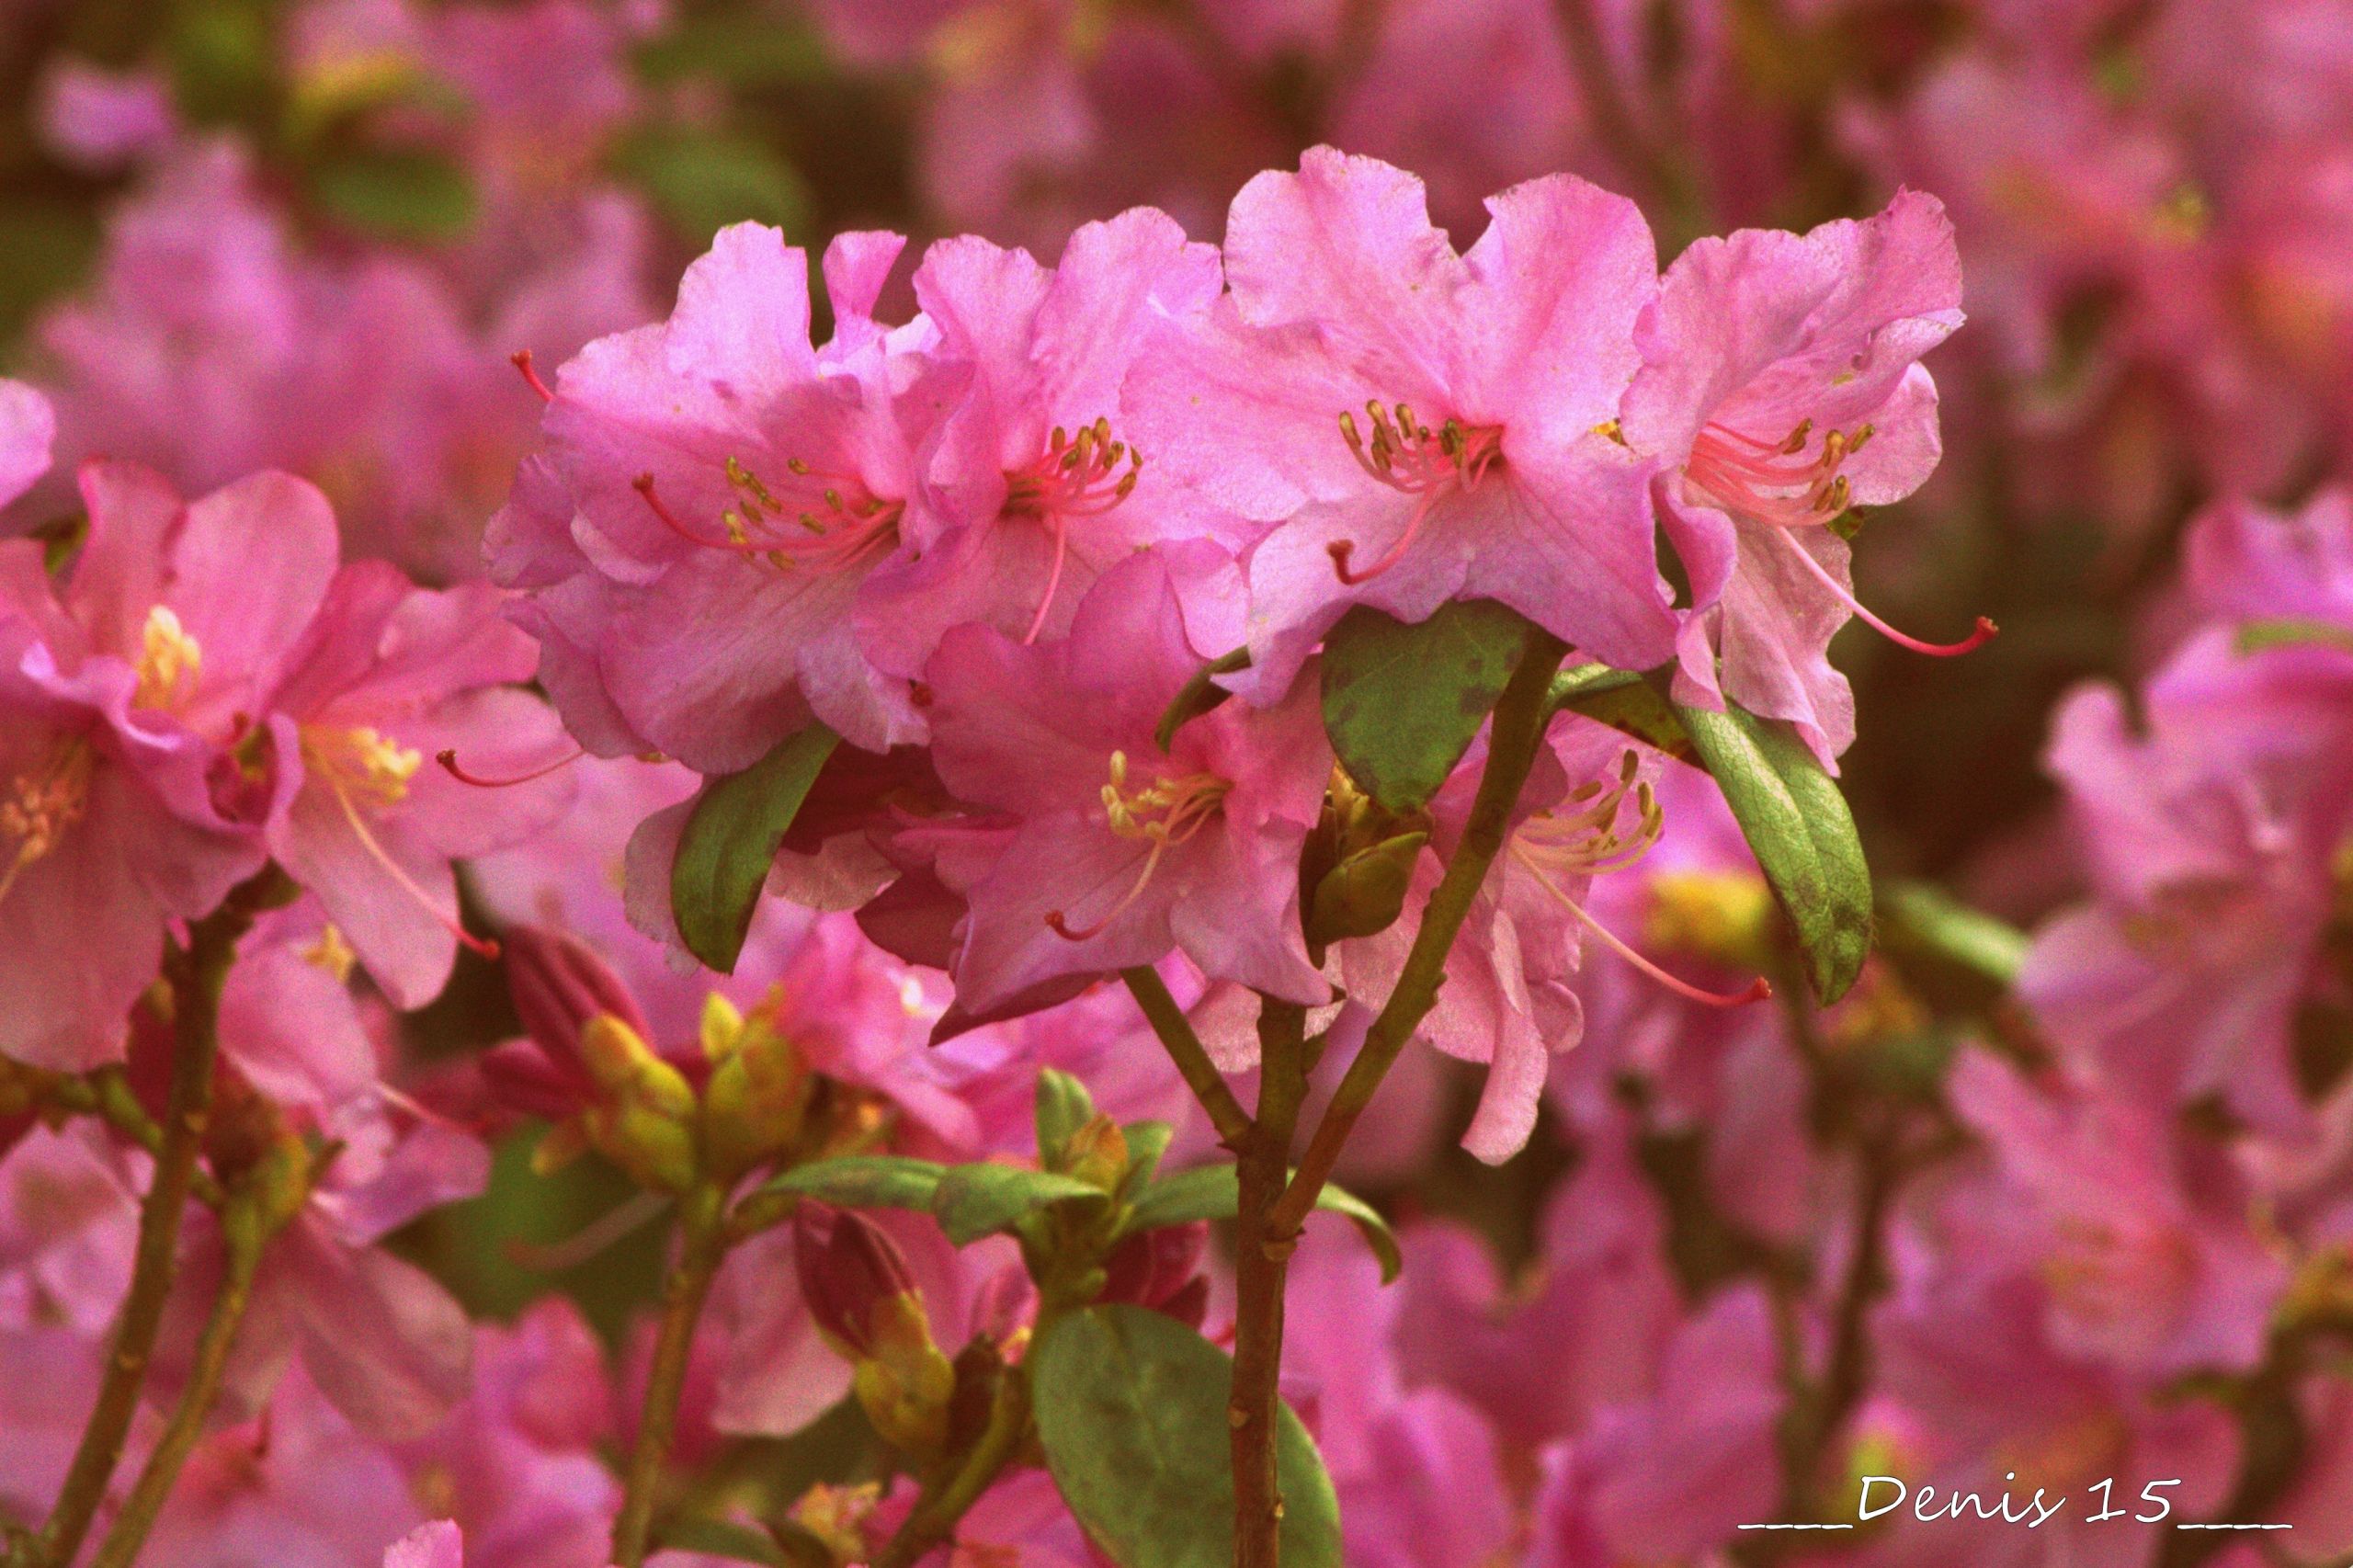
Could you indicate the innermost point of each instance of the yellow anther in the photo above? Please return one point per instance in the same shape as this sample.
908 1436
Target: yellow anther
363 762
331 953
169 660
40 805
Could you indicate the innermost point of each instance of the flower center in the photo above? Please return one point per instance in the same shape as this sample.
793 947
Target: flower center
361 763
41 804
1074 478
1161 814
1773 482
1587 840
1408 456
169 660
815 521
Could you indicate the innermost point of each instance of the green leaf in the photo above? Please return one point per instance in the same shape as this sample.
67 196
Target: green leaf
1147 1142
1198 695
1804 837
1626 703
409 195
1210 1192
730 841
1402 702
1063 1106
705 180
862 1181
978 1199
2291 631
1131 1415
1921 918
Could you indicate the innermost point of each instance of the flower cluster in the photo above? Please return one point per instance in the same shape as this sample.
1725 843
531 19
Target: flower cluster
1199 889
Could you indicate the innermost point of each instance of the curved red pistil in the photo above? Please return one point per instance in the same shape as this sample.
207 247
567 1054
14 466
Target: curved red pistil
1770 482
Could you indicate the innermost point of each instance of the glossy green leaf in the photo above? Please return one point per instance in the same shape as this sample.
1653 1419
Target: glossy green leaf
1199 696
1925 920
975 1201
1626 703
1402 703
1131 1415
862 1181
1802 833
730 841
1211 1192
1147 1142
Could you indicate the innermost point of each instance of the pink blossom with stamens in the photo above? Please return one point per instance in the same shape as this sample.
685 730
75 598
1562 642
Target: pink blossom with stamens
1400 425
1781 386
1113 853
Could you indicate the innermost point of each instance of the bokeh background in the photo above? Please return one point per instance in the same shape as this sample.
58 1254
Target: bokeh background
309 234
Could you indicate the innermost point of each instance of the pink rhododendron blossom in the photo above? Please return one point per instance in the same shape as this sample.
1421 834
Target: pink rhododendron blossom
387 677
116 818
1406 425
1112 852
1779 386
2132 1231
99 121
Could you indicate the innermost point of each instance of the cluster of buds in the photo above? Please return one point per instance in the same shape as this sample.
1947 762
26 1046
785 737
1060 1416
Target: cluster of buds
670 1118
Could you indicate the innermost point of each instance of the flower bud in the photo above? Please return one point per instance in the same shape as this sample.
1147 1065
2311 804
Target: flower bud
1365 893
558 984
757 1103
1161 1269
644 1118
1096 1154
864 1301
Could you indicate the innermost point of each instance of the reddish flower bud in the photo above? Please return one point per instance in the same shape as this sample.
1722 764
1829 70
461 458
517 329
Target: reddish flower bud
1155 1267
848 1267
558 984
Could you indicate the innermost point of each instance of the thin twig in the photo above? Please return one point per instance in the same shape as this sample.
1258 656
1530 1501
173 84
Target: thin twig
703 1246
1517 734
1262 1264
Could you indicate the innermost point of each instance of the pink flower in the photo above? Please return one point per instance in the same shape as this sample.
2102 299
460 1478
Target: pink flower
2141 1238
1583 1331
2210 841
1779 385
379 1338
296 1485
1420 1481
516 1463
1672 1474
1046 493
387 677
715 490
1407 425
2247 563
69 1212
1113 853
116 818
98 121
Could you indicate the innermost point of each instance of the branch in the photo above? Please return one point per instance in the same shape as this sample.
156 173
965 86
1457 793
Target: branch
702 1218
1512 744
1262 1263
197 974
